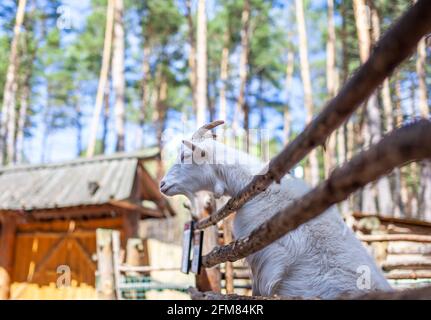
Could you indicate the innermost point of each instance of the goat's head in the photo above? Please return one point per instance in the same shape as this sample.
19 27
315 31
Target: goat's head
194 170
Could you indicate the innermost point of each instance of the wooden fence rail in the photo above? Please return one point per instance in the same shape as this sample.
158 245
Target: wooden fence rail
411 294
395 46
406 144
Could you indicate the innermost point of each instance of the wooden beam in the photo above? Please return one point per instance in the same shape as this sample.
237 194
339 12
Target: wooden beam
408 221
149 190
209 279
406 265
408 274
116 248
397 44
410 294
395 149
64 225
136 253
229 273
55 235
129 268
87 255
42 264
149 187
129 206
67 213
402 247
394 237
131 225
196 294
7 249
105 268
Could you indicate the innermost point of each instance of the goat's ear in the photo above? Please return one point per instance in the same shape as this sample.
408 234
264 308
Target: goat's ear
194 148
218 189
190 145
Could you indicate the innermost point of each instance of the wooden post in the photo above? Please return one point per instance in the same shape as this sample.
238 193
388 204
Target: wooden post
7 248
229 274
116 248
105 269
209 279
135 252
136 248
130 225
135 257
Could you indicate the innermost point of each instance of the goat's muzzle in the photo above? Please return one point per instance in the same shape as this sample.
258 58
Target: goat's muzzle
164 187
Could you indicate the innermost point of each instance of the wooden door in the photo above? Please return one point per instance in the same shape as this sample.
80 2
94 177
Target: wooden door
57 263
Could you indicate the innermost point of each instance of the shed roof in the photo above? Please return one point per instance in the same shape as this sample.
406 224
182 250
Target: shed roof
80 182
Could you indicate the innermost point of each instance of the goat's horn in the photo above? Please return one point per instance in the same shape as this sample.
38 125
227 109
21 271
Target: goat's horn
202 130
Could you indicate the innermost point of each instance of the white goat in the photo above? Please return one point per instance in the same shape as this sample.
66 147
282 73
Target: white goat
321 258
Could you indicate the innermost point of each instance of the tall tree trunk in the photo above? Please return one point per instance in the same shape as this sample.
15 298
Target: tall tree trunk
396 207
103 78
78 120
145 90
425 176
241 106
368 203
8 116
24 99
105 121
47 121
287 87
420 70
224 71
398 121
118 80
25 87
331 82
201 64
385 90
201 101
192 55
372 126
348 126
306 82
162 95
211 98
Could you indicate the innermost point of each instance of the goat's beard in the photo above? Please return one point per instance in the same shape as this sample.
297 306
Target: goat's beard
193 205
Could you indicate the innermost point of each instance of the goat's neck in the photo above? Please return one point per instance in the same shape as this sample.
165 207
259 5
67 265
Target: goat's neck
235 177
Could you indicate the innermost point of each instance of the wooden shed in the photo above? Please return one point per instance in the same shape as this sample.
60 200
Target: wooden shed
401 246
49 215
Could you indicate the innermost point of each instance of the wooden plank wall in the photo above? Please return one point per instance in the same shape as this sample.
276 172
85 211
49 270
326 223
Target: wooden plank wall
41 247
402 247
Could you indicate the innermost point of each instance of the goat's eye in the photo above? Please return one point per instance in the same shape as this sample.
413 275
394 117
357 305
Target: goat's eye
182 157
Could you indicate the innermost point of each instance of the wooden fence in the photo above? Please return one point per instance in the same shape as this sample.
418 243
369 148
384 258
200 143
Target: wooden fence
118 280
395 149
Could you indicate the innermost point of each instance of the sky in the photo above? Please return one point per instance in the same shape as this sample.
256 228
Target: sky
61 145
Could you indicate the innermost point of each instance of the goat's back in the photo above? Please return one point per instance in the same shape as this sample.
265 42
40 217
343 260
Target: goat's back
321 258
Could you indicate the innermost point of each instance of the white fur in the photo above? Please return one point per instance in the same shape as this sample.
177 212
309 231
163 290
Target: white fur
318 259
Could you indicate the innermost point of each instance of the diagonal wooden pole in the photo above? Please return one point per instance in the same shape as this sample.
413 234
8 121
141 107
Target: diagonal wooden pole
409 143
103 79
397 44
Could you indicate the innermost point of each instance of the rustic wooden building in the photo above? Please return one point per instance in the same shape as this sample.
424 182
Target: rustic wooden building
49 215
401 247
